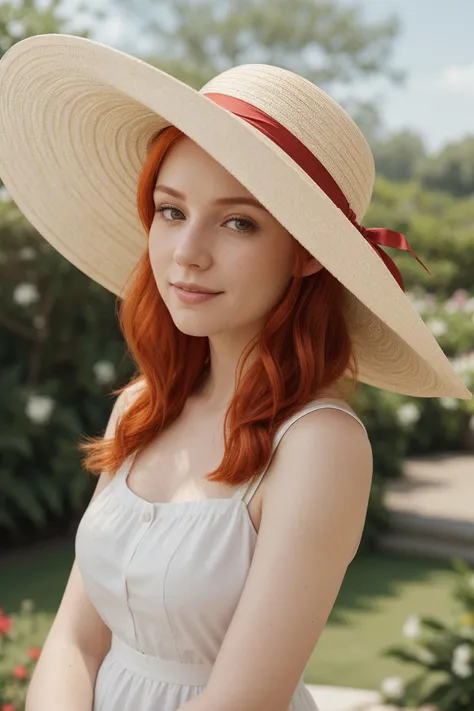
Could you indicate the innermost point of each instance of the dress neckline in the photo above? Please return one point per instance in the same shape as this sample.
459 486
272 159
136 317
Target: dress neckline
125 469
150 511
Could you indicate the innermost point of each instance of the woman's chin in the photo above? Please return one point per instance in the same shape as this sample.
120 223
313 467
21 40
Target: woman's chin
192 328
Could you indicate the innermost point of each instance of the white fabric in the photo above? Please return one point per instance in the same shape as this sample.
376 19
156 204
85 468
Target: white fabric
166 579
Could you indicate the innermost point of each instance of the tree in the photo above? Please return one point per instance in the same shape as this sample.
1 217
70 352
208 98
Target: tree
23 18
399 156
452 169
196 39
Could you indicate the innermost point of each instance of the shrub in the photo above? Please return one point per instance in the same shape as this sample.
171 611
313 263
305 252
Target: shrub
445 653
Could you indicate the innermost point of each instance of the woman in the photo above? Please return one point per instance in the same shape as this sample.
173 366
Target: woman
234 476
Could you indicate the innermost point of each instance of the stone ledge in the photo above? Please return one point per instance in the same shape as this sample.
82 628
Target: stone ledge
334 698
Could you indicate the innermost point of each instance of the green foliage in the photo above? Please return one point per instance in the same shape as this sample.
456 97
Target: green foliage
444 652
452 169
399 156
61 352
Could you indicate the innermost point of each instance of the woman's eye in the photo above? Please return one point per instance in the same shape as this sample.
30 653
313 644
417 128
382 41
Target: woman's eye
244 225
163 209
249 225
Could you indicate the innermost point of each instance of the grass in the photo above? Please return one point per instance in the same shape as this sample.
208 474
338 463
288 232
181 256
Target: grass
377 595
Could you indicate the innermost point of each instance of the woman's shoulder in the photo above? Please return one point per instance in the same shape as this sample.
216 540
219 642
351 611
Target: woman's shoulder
328 409
128 396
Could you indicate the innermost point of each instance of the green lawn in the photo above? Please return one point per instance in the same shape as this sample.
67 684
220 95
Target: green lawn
378 594
376 597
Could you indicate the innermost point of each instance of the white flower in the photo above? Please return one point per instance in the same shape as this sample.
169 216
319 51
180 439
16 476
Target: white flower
393 687
27 253
4 194
39 322
412 627
26 294
464 671
104 371
462 653
457 301
39 408
422 303
449 403
437 326
16 28
460 662
469 306
451 307
27 606
408 413
464 367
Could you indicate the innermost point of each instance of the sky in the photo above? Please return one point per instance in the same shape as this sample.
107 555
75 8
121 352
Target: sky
435 50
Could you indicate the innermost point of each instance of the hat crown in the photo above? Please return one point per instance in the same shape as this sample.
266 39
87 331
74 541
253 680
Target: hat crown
313 117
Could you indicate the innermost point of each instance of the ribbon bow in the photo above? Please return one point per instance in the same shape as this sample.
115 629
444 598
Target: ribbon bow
377 237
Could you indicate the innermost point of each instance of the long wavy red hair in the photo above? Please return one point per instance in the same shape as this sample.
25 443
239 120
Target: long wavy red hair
303 349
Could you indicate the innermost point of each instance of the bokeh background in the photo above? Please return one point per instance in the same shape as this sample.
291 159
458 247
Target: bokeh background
405 72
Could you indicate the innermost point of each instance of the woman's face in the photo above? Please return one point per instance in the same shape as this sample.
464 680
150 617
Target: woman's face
211 236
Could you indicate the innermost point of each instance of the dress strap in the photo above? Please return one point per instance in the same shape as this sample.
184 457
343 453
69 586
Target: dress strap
314 405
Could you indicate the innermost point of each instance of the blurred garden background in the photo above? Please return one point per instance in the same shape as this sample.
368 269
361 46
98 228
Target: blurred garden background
61 352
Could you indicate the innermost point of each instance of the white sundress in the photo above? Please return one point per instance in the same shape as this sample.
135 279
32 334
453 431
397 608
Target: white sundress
166 579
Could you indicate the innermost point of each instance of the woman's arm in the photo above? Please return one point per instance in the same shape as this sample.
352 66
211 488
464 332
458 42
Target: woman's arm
313 514
64 677
65 674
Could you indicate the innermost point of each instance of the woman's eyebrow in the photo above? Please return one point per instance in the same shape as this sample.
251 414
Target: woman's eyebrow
220 201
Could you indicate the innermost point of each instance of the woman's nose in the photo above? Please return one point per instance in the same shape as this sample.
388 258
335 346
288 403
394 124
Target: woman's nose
192 247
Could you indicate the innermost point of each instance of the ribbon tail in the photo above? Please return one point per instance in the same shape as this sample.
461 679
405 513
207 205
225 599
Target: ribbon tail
390 238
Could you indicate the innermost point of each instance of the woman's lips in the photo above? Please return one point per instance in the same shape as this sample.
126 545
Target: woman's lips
193 297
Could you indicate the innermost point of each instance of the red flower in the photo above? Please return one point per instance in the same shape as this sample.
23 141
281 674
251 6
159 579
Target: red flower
34 653
5 623
8 707
20 672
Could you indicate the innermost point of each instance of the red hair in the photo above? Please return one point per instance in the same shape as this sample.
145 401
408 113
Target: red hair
303 349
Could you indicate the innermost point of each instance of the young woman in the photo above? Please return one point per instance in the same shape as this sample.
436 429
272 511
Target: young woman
234 476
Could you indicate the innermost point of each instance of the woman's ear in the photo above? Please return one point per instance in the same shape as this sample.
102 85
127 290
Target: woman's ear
312 266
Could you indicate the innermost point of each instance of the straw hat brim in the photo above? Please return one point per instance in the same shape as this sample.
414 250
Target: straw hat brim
76 117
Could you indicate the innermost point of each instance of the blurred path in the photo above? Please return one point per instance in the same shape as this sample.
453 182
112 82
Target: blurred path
432 508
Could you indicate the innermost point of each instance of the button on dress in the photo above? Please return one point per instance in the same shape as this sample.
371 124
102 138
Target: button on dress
166 579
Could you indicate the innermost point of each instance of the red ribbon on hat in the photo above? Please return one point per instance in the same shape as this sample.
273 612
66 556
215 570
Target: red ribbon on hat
377 237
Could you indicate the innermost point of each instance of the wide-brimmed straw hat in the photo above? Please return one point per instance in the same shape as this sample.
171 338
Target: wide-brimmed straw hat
76 118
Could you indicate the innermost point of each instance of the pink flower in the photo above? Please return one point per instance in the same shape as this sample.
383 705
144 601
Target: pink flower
20 672
5 624
34 653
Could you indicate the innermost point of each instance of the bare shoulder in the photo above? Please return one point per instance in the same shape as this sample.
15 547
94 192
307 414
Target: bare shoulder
121 404
130 394
323 461
321 438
